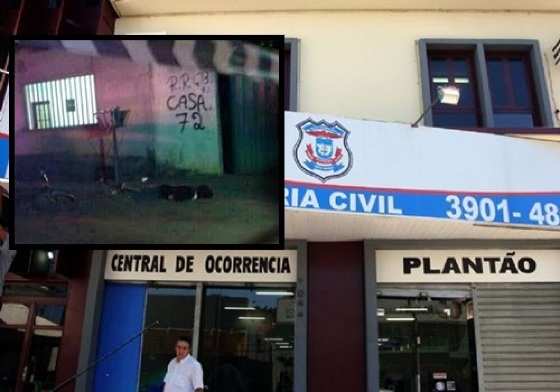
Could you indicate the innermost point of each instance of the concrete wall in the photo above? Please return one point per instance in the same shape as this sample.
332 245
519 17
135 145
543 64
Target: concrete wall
152 136
365 64
186 119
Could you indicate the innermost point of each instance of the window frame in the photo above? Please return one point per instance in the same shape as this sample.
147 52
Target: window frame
450 56
480 47
513 107
36 112
293 46
59 104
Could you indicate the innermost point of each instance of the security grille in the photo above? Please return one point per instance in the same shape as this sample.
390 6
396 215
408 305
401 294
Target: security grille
519 337
61 103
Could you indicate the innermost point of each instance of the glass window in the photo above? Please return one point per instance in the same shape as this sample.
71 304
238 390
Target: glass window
75 94
174 309
509 77
70 105
521 88
11 341
247 339
497 83
35 290
39 373
423 342
456 120
513 95
50 315
13 314
454 69
515 120
42 115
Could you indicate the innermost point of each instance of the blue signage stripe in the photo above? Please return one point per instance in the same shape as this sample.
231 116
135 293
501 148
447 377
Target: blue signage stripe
539 209
4 156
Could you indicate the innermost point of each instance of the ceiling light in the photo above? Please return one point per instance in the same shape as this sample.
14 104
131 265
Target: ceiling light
274 293
239 308
461 80
412 309
50 255
440 80
273 339
383 340
380 312
250 318
400 319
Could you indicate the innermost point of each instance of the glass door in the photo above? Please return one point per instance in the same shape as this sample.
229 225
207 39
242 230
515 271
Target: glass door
173 308
426 344
247 339
31 329
13 320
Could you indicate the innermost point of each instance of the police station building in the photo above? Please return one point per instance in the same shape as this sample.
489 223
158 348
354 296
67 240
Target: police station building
418 259
423 282
393 279
383 315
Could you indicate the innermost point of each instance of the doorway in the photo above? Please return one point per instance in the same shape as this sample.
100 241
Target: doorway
31 329
426 342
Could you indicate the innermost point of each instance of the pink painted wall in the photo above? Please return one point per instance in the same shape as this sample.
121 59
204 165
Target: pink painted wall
117 82
153 129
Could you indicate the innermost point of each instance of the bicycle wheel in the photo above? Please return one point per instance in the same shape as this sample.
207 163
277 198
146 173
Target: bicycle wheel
43 202
54 202
64 202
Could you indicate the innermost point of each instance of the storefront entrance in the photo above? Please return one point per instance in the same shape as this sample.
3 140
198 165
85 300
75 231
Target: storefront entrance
244 336
31 328
426 342
238 308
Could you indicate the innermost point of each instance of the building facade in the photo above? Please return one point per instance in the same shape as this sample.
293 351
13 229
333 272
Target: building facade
426 259
387 199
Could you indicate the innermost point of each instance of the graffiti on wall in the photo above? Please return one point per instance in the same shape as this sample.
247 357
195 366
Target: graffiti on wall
190 99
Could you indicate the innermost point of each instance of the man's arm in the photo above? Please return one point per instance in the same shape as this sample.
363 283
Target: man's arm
166 378
198 379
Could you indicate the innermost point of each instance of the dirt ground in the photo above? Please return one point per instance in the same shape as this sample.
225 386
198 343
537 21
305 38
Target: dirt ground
244 210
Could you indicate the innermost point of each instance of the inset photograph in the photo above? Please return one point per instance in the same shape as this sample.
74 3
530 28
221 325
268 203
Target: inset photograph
148 141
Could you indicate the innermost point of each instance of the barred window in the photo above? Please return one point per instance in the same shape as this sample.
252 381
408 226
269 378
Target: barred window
61 103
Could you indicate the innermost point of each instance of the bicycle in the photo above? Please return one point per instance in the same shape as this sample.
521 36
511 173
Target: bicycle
52 199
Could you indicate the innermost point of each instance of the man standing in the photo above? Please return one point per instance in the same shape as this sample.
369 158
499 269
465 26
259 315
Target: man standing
184 373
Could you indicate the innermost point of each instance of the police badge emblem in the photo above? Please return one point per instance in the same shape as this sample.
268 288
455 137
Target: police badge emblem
322 149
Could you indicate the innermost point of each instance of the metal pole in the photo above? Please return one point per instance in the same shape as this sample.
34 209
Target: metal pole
417 346
415 124
116 155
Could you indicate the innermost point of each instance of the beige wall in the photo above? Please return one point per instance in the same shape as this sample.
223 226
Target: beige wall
364 64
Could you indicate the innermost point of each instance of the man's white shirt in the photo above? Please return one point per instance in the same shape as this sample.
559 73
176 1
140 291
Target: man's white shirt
183 376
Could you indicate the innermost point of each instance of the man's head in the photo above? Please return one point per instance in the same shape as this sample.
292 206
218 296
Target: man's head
182 347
